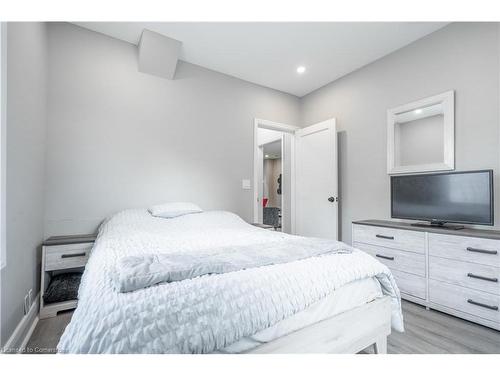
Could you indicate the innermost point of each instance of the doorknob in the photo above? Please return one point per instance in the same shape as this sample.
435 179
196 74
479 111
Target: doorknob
331 199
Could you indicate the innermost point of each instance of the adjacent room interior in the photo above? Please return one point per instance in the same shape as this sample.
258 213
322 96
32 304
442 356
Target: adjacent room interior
271 199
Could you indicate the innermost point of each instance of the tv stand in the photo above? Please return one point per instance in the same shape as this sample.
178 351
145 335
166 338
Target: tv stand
439 224
453 271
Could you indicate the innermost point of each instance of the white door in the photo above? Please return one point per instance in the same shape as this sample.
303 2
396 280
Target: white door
316 200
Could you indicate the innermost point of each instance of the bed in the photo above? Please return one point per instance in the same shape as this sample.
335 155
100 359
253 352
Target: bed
335 302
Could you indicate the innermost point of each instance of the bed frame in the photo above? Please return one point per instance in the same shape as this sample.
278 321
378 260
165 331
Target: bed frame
349 332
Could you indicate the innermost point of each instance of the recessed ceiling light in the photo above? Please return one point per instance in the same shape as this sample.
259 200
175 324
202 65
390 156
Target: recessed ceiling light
418 111
267 156
301 69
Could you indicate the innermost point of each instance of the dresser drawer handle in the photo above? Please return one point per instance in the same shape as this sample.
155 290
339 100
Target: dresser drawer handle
384 237
491 307
474 250
384 257
76 255
492 279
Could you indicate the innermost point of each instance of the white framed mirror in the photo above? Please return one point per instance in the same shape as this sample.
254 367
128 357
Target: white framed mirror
421 135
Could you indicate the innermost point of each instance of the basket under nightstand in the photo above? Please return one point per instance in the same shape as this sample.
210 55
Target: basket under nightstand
62 254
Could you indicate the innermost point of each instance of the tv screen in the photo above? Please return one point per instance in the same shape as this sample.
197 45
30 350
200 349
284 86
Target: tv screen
456 197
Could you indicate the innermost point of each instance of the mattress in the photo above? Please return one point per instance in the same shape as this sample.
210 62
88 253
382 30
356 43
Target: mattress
228 312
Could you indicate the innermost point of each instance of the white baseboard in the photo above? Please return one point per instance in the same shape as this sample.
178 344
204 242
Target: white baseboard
19 339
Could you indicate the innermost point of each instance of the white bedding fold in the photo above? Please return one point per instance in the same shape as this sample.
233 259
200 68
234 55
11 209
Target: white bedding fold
137 272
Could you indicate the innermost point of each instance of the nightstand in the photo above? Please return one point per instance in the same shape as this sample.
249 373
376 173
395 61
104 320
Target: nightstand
62 254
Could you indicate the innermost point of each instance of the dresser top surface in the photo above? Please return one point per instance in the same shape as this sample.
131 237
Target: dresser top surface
67 240
466 232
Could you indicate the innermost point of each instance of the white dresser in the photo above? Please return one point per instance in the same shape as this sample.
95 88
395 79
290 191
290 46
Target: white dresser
454 271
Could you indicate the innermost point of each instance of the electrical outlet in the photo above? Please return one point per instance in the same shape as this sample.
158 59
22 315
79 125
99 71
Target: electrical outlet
30 297
26 306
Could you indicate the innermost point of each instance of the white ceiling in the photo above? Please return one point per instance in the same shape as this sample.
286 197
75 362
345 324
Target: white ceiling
268 54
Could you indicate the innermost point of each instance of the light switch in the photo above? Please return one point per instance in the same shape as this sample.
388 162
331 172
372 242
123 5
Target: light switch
246 185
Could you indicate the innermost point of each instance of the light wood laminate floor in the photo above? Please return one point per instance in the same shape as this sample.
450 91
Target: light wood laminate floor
426 332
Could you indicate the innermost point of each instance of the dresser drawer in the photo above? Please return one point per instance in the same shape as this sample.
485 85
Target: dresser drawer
66 256
469 275
405 240
396 259
467 249
410 284
474 302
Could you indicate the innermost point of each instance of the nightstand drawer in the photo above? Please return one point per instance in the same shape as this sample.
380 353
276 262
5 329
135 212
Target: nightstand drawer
67 256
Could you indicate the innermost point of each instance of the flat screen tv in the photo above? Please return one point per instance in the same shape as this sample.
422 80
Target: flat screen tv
439 198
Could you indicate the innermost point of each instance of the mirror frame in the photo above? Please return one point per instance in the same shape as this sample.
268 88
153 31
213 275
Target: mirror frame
447 99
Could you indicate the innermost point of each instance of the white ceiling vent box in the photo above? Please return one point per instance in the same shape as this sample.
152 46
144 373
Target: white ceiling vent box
158 54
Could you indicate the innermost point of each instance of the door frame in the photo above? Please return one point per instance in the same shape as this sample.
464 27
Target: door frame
271 125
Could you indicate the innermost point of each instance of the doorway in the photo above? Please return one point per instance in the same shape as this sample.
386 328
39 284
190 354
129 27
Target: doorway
308 182
273 170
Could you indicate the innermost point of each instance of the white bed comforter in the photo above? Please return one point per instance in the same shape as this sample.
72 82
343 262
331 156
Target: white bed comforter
138 272
209 312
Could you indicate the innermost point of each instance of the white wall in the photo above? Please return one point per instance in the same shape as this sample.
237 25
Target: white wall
118 138
461 56
25 174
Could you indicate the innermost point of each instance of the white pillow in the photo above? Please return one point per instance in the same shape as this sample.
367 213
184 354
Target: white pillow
174 209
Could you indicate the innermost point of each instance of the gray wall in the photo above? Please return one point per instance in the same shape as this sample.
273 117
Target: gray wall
463 57
118 138
25 175
411 136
